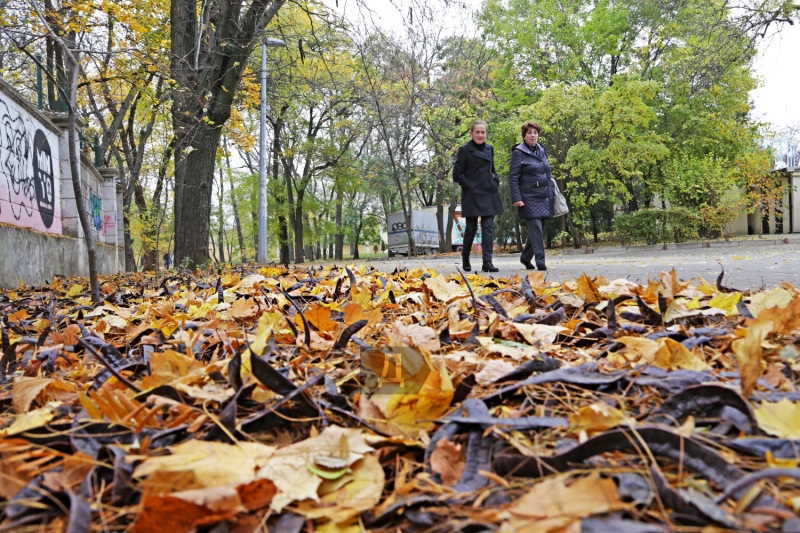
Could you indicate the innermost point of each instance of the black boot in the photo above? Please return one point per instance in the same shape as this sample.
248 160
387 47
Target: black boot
489 267
528 265
465 264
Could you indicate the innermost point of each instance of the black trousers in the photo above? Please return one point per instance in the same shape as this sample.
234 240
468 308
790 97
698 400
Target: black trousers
534 246
487 237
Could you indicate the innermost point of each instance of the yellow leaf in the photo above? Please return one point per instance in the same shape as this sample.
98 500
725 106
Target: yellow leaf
694 304
777 297
664 353
347 497
407 414
706 288
168 366
597 417
781 419
748 353
587 289
287 468
32 420
726 302
196 464
74 290
444 290
672 355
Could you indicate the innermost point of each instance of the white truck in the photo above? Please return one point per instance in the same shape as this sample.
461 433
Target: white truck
424 229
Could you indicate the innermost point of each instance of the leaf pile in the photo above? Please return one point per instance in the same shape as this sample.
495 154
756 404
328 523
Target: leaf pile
347 400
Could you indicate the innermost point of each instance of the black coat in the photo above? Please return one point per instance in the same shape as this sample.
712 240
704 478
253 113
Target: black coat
474 172
531 182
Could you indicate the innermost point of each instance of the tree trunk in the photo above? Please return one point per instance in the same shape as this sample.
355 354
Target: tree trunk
74 167
338 249
451 216
357 238
220 217
206 63
194 178
440 224
237 222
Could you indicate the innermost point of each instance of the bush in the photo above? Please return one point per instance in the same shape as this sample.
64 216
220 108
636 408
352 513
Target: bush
652 226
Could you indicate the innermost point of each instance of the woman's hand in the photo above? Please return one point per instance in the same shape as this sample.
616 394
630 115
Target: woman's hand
519 204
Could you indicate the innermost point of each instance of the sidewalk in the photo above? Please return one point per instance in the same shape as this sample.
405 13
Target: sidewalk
793 239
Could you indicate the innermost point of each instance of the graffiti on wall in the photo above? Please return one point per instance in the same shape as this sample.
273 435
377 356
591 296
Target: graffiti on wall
29 180
95 209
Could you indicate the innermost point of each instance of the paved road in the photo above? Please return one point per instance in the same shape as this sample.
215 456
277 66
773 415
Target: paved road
745 267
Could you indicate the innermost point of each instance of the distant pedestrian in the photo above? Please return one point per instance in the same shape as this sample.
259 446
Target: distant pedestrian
167 261
532 191
474 172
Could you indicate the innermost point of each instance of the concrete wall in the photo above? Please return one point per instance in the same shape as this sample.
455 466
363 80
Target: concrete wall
40 231
33 257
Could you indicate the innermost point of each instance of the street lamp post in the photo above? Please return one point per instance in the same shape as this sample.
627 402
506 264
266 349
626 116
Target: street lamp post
261 256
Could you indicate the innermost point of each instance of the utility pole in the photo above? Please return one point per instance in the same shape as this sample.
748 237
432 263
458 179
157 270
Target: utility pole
261 256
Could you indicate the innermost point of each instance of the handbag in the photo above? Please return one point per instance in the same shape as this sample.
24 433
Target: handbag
560 207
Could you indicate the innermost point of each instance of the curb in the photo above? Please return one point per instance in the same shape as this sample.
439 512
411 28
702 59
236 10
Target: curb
678 246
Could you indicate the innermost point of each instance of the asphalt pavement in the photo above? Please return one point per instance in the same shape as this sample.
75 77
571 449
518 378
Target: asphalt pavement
746 267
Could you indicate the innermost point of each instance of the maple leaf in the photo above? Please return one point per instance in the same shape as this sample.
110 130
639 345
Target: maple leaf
242 308
781 419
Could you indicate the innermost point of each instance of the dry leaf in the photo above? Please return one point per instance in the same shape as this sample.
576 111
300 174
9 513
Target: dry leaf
28 389
552 498
749 354
492 371
781 419
447 462
598 417
444 290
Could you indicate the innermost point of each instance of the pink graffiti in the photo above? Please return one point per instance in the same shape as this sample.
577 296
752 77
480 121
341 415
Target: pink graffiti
109 223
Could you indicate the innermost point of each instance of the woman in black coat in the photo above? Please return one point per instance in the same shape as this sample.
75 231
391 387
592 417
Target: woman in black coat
532 191
474 172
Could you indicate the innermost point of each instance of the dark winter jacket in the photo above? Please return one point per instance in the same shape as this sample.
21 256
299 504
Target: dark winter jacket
474 172
531 182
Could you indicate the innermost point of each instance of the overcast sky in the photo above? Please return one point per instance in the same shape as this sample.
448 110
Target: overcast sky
776 101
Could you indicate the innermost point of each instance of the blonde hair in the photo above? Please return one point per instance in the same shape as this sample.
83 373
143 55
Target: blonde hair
478 123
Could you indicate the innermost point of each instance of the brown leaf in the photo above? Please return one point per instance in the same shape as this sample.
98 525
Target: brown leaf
447 462
587 289
749 353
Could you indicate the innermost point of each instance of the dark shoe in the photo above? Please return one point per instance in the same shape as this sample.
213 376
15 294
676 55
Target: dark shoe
466 267
541 268
488 267
528 265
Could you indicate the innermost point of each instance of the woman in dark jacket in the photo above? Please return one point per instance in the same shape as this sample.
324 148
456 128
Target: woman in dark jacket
474 172
532 191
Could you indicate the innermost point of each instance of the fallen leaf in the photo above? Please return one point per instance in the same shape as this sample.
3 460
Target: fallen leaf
780 419
492 371
749 354
447 462
413 336
587 289
552 498
287 468
726 302
534 333
444 290
347 497
28 389
596 417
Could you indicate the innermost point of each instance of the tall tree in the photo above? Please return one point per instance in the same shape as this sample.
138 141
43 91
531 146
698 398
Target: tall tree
210 47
